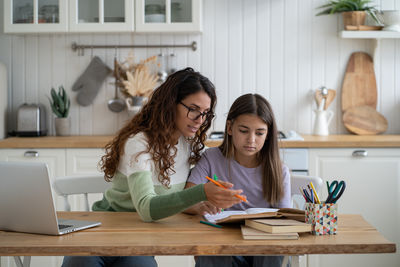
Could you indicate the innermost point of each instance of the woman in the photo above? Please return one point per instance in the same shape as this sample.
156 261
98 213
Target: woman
149 160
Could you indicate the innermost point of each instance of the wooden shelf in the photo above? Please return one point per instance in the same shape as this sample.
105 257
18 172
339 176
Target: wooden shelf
369 34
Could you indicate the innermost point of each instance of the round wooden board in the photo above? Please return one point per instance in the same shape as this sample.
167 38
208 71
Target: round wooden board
364 120
359 84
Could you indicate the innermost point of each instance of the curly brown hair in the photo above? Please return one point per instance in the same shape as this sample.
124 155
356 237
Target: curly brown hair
157 121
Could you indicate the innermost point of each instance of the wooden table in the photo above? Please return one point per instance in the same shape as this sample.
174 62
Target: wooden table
123 233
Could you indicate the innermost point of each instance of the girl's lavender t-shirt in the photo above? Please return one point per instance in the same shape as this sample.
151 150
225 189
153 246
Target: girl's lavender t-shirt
248 179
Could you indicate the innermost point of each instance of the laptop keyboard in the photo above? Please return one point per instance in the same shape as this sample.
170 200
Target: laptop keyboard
62 226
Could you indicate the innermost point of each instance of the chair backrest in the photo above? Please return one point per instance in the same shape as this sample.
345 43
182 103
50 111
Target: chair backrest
302 181
80 184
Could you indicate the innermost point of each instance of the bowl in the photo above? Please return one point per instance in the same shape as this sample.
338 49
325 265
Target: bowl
158 18
391 19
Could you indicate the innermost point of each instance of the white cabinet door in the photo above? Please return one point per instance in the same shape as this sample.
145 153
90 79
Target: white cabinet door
55 159
101 15
83 161
168 16
373 190
32 16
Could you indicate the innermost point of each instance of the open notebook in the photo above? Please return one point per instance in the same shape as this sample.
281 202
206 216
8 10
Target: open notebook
234 216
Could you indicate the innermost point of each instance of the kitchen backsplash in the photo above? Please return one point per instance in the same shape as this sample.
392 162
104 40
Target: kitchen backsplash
277 48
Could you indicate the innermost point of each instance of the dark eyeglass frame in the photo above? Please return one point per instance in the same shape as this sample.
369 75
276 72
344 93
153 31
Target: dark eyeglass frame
204 115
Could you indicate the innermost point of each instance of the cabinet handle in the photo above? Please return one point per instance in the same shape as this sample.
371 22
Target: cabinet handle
31 154
360 153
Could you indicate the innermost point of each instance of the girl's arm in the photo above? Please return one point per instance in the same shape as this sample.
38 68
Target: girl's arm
286 201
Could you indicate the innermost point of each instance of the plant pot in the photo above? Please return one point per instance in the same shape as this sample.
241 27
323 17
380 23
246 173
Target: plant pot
134 104
354 18
63 126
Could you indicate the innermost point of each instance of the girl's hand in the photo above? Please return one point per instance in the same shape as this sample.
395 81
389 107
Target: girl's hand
202 208
220 197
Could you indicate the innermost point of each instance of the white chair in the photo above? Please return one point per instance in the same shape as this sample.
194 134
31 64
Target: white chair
80 184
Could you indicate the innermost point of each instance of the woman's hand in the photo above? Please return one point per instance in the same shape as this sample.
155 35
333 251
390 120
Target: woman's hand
220 197
202 208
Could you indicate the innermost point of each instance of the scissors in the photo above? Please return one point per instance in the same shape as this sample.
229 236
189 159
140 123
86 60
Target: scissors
335 191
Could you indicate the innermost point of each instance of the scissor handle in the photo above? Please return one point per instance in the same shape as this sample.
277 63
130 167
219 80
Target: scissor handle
332 187
335 190
341 187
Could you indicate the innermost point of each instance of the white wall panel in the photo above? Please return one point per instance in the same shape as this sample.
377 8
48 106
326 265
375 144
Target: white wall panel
277 48
235 54
221 61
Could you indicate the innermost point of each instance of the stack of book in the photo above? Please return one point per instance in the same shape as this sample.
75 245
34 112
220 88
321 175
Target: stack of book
264 223
273 229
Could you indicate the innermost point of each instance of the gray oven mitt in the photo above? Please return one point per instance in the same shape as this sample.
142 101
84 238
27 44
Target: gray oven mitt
89 83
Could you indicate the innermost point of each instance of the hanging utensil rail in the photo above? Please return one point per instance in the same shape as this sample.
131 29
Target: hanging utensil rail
81 48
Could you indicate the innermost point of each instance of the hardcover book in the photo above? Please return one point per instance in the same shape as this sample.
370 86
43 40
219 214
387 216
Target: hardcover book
251 233
278 225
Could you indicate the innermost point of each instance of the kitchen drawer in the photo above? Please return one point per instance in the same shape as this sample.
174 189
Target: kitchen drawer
55 158
83 161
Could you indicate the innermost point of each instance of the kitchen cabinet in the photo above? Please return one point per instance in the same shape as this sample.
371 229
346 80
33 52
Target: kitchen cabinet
168 16
101 15
83 161
46 16
28 16
372 176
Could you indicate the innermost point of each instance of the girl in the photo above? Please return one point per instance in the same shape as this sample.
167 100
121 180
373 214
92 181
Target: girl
249 158
148 161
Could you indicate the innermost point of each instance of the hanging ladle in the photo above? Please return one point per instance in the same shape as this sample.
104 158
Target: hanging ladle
116 104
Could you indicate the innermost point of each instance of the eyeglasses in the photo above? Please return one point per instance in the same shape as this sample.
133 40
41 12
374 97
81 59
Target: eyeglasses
194 114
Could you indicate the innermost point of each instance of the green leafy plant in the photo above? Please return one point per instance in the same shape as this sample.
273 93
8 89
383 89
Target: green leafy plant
60 102
349 5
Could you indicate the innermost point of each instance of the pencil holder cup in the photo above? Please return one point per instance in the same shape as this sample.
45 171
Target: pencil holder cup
323 218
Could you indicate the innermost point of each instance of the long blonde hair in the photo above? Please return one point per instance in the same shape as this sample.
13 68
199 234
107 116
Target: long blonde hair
268 156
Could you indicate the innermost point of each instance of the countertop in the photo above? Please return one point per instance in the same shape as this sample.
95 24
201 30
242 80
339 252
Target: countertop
310 141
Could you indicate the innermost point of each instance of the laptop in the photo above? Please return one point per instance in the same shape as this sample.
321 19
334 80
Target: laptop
26 201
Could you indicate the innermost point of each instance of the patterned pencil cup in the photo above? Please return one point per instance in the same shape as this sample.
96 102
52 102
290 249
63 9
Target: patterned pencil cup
323 218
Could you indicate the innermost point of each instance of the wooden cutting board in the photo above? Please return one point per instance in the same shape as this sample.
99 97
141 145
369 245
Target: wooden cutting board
364 120
359 84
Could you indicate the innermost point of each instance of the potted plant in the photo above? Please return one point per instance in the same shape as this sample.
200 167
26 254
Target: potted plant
60 104
353 11
137 82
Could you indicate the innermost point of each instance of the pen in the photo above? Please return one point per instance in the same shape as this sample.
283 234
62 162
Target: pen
220 185
307 195
315 193
302 193
311 194
211 224
216 179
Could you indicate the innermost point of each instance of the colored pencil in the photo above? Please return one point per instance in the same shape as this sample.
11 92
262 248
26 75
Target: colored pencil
211 224
220 185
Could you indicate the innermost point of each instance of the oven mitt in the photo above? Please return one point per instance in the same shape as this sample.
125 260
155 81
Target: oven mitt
89 83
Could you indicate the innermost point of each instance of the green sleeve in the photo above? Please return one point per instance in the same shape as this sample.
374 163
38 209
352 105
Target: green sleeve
151 206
